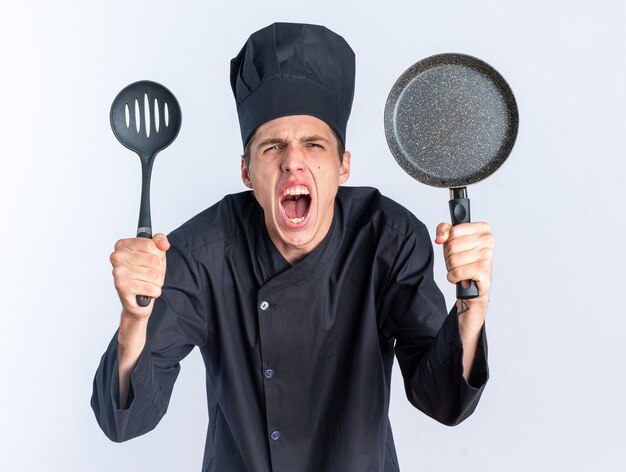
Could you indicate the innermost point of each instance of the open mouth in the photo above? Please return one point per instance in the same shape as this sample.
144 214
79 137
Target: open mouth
296 202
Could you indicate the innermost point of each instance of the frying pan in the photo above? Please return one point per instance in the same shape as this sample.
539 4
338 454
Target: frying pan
450 121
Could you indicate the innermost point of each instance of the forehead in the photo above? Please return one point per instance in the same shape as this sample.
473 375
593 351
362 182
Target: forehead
293 127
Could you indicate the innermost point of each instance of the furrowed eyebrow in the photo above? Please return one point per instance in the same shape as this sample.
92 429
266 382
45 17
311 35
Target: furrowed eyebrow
303 139
268 141
313 137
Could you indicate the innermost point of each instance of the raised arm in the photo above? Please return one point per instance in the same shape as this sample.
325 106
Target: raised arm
139 266
468 252
135 379
444 375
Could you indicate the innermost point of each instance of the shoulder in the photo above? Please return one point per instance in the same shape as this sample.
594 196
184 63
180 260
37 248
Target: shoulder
222 221
363 206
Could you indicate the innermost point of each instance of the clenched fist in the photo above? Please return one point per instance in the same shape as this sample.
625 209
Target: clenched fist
139 269
468 252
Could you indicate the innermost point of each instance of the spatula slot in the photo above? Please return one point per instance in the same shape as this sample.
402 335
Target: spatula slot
146 110
137 116
127 115
167 115
157 117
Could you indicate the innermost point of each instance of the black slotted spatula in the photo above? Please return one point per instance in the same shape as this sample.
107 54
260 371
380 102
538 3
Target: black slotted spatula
145 117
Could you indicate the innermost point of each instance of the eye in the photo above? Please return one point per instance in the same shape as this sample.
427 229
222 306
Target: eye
314 145
273 148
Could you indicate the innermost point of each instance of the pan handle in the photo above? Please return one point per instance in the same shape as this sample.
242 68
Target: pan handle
460 213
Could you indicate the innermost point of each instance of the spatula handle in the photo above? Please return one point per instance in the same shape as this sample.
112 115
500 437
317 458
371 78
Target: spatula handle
144 229
143 232
460 213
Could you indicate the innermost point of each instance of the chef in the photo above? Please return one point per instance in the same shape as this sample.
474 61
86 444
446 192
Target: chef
297 292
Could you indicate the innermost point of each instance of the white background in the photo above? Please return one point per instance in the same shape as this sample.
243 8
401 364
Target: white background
69 190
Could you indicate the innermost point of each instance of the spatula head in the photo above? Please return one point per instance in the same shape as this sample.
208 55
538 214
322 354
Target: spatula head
145 117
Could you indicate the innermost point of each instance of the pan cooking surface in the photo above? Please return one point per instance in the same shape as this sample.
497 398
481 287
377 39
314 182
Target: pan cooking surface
450 121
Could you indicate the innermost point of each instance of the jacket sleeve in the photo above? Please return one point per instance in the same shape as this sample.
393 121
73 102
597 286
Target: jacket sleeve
427 340
176 325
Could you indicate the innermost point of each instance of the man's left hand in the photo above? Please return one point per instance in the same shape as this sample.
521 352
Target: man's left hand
468 252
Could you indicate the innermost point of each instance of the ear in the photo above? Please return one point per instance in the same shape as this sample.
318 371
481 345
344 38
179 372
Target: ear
245 175
344 168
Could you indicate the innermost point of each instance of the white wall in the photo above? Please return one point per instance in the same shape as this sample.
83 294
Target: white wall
69 190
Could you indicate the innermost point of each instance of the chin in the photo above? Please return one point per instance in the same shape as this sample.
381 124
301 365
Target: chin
298 237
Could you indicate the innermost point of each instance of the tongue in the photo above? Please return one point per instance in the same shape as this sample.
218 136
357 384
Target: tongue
302 205
296 208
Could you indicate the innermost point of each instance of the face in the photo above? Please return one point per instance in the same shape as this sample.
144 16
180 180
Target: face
295 172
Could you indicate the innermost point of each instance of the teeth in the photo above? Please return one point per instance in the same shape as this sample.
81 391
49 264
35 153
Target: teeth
296 191
296 220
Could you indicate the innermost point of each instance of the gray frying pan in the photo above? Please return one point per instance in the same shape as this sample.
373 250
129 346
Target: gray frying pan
451 120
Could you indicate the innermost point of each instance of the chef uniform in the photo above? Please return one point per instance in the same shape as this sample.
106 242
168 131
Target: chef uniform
298 357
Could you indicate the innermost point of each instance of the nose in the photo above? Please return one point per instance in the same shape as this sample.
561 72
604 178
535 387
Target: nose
293 159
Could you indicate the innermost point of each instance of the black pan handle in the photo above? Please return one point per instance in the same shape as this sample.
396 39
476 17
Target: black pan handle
460 213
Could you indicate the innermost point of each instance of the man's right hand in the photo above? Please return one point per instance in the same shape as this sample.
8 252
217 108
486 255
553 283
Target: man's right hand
139 269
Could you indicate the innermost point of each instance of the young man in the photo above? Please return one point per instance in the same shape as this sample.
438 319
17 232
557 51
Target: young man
297 293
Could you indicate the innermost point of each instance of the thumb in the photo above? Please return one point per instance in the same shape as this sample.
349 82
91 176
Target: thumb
443 233
160 241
